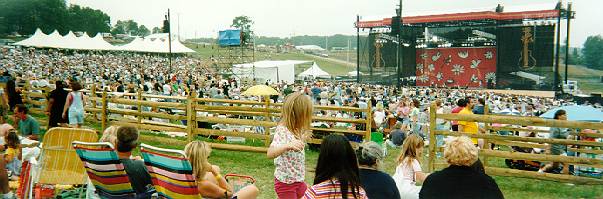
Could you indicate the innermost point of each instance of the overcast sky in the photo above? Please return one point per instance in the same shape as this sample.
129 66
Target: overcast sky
284 18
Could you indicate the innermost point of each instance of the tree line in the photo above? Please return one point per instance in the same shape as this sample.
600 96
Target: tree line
25 16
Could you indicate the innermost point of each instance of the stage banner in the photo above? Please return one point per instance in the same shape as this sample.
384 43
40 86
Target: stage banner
451 67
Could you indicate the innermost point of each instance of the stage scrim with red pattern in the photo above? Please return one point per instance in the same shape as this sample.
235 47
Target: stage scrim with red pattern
466 67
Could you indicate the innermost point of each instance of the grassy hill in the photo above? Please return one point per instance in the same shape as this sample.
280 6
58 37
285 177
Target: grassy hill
588 79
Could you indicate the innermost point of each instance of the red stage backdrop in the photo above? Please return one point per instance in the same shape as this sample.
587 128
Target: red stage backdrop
466 67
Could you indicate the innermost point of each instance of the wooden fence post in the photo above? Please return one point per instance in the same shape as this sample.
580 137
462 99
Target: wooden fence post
191 114
104 110
93 100
432 137
369 118
486 131
139 106
268 119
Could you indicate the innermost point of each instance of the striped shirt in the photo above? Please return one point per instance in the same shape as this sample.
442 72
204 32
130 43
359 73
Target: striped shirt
331 189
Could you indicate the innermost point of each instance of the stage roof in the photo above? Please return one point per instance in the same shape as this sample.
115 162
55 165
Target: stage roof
535 11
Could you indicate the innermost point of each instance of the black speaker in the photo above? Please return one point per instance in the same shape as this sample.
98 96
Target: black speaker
396 25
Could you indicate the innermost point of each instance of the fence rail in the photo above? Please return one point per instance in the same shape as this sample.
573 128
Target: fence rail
529 142
164 113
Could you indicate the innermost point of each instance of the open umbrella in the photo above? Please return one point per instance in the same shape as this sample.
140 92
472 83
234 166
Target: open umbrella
260 90
577 113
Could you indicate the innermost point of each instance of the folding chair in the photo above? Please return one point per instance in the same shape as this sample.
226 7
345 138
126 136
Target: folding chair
171 172
59 163
105 170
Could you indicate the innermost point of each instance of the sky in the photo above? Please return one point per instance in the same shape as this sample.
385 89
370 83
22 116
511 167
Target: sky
285 18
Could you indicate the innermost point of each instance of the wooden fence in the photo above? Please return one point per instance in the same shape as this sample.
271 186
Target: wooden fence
531 142
234 118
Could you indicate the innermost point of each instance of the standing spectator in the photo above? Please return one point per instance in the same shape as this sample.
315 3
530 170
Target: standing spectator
376 183
341 180
28 126
13 95
461 155
465 126
75 105
56 104
557 149
287 147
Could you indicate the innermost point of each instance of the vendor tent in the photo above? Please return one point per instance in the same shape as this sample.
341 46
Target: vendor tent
273 71
315 72
155 44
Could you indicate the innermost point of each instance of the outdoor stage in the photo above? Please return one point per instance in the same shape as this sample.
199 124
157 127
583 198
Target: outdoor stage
497 48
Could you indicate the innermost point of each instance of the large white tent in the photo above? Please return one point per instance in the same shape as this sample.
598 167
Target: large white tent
315 72
155 44
267 70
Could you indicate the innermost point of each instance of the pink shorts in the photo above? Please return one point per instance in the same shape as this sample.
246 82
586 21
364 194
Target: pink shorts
289 191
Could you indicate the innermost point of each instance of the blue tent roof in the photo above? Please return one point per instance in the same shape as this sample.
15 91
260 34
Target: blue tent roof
577 113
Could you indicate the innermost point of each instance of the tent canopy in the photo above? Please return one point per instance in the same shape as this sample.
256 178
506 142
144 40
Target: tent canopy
268 70
154 43
315 72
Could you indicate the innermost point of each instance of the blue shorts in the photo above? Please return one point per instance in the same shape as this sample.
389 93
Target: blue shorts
76 117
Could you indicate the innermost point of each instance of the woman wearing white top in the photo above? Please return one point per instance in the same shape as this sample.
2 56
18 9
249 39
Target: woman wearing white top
409 172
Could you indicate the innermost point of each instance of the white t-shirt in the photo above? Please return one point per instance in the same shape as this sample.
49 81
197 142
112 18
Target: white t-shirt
379 118
167 89
407 172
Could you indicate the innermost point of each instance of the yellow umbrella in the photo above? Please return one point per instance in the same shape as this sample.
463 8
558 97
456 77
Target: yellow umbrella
260 90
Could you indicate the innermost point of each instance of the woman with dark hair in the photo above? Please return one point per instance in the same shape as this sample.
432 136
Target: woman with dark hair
557 149
340 180
13 94
75 105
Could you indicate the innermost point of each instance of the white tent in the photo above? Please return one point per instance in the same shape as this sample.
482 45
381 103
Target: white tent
274 71
34 40
315 72
157 44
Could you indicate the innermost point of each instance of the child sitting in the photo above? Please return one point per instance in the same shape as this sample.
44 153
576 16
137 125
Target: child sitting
12 155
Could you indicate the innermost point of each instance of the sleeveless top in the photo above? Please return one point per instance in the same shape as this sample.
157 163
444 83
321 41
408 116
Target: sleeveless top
76 103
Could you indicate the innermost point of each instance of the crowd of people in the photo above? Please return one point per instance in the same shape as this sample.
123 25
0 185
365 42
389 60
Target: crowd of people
401 114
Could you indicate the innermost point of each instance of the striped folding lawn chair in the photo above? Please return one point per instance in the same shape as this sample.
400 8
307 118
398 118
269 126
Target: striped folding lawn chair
171 173
105 170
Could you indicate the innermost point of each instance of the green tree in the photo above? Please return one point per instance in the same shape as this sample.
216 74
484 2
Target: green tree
125 27
575 57
143 31
25 16
593 52
244 23
156 30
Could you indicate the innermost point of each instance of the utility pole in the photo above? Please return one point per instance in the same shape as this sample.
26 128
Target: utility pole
169 39
557 48
399 76
569 14
357 49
